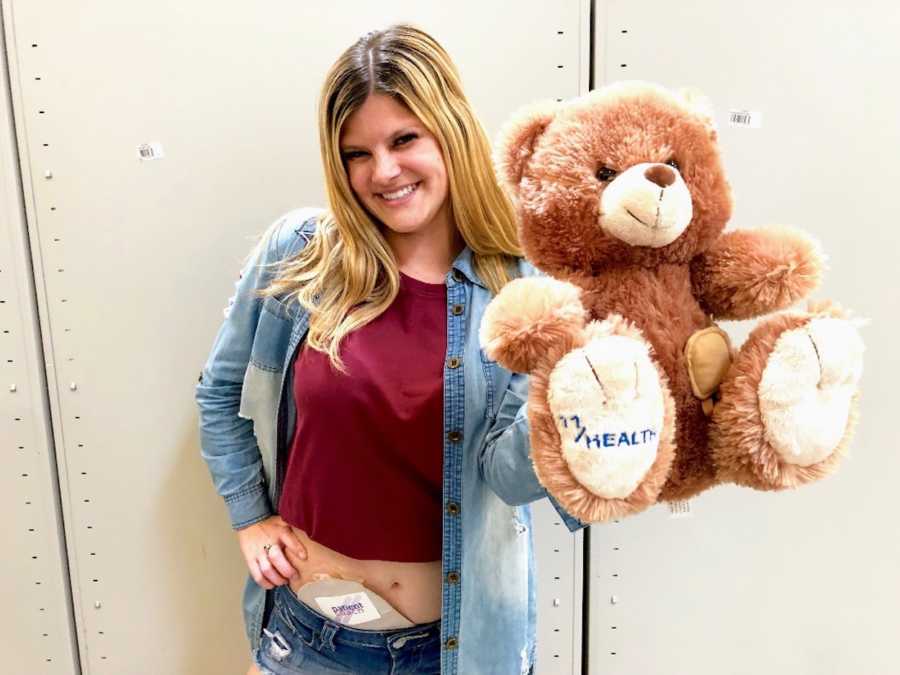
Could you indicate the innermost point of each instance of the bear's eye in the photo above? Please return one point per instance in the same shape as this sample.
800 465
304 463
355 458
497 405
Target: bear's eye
605 174
674 164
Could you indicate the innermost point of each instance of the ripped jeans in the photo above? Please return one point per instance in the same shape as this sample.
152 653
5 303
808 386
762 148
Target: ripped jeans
297 639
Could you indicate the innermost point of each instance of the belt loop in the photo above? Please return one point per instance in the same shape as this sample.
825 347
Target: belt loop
328 632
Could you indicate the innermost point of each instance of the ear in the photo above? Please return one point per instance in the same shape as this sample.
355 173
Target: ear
517 140
701 105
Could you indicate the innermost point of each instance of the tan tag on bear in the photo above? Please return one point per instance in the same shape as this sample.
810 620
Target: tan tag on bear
708 354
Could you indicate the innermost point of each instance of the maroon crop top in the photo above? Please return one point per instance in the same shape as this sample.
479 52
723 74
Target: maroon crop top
364 474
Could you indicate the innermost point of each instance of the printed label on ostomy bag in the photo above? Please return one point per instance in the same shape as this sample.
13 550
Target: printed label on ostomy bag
349 609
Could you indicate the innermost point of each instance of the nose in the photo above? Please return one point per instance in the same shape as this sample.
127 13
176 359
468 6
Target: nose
660 174
386 168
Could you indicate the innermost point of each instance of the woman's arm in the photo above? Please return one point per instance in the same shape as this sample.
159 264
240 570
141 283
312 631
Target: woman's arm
228 443
505 460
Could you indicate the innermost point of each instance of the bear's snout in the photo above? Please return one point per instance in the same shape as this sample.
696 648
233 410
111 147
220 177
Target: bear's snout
660 174
635 210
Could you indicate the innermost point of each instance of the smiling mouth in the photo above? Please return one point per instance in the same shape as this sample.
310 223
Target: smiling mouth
637 219
399 194
655 226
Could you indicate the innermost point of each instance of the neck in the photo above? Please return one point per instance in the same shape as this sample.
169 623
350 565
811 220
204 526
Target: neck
428 255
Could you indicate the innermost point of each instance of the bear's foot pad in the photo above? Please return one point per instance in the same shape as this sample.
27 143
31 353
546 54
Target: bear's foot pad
807 387
607 401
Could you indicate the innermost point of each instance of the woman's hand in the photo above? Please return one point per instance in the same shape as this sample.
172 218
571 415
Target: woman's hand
261 544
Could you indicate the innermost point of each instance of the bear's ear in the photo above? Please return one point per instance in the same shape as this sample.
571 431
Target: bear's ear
516 141
701 105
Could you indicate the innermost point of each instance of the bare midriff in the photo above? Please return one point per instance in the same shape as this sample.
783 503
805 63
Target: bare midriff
412 588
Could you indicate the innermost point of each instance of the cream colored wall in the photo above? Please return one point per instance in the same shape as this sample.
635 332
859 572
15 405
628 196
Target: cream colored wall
134 261
803 582
36 632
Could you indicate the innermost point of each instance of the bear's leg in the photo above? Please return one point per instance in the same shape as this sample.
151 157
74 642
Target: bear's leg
788 404
605 445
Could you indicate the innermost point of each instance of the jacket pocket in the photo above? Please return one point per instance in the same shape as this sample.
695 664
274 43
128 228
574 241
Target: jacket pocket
490 369
273 333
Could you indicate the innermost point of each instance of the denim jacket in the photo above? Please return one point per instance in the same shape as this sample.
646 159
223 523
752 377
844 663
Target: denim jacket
247 415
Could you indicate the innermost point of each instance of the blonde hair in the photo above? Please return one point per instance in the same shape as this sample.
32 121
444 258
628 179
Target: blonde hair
347 275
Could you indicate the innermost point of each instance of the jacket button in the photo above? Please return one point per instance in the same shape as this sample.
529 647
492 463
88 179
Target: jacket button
453 577
454 436
457 310
453 362
451 643
453 509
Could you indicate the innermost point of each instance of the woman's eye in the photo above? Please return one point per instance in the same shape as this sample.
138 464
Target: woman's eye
352 154
406 138
674 164
605 174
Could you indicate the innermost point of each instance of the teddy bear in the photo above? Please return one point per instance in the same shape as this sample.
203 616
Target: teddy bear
635 394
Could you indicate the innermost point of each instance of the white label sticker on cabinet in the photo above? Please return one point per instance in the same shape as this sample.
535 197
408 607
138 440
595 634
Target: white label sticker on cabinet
752 119
148 151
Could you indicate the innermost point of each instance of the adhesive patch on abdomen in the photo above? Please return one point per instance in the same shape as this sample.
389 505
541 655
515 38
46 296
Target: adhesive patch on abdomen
607 403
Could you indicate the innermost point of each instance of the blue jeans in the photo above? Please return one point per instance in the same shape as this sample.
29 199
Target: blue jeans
297 639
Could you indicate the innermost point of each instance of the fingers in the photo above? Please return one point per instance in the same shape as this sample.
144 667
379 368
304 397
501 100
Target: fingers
280 563
268 571
257 575
270 568
293 544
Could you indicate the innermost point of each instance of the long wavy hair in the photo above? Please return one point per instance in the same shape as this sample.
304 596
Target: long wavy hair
347 275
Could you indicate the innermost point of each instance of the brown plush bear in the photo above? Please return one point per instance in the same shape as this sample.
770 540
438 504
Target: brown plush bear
635 395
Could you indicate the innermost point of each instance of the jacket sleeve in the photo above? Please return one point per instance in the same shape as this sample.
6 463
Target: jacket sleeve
505 458
228 443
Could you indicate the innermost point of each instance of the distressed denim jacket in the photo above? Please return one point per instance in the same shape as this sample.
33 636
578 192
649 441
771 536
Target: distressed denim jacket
247 415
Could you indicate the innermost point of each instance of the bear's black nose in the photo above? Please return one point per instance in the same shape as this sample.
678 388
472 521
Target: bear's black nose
660 174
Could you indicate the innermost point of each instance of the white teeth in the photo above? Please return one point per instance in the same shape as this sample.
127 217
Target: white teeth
399 194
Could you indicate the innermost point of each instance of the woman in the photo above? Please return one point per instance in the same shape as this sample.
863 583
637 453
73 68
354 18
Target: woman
394 454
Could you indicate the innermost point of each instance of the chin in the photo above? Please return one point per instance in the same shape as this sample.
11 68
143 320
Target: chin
404 225
403 229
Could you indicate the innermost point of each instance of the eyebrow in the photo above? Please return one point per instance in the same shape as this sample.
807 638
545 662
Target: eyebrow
404 131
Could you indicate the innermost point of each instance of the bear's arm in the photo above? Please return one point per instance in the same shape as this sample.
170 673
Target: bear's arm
746 273
532 319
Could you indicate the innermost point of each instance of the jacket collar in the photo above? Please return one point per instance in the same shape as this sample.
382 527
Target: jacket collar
464 265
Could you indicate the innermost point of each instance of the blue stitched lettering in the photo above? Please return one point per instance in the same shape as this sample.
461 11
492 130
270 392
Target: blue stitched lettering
608 439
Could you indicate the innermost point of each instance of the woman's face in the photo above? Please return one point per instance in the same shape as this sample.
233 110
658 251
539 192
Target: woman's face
395 167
